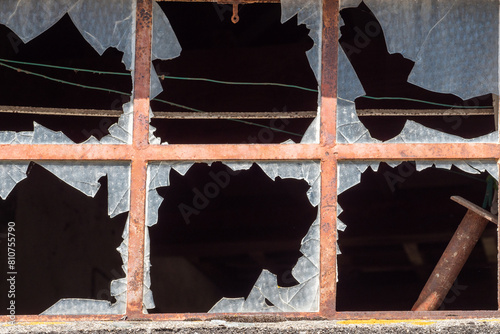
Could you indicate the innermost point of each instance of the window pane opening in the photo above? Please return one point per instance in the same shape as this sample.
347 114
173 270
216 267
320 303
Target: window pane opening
218 229
399 221
258 49
65 243
391 98
76 111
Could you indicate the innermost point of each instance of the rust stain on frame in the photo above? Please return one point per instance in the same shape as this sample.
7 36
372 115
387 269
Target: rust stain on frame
328 229
142 78
329 71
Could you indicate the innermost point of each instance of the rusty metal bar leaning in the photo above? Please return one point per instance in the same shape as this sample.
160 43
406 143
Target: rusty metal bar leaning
455 255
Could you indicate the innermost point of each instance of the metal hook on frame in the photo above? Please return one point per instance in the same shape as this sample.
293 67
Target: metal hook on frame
235 18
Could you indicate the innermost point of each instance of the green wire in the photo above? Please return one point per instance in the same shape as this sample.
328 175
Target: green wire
422 101
161 76
63 67
238 83
64 81
205 80
232 83
128 94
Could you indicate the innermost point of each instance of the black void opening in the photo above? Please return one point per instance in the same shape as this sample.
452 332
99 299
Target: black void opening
257 49
61 45
65 243
399 222
385 75
218 229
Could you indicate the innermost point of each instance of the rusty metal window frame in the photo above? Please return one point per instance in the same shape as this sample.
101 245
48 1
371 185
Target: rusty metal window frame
328 152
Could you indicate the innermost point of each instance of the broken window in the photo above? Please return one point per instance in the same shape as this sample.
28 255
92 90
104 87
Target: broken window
73 59
234 237
390 248
377 108
251 82
64 213
418 72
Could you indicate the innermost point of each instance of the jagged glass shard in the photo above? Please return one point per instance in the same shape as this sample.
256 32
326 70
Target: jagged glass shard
107 24
42 135
311 136
7 137
74 306
229 305
165 45
305 269
467 57
256 300
468 166
10 174
303 296
121 132
239 165
310 13
349 172
30 18
416 133
85 177
349 86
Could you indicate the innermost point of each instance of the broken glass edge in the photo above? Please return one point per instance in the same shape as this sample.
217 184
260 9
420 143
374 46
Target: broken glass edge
11 173
437 69
349 175
309 13
351 130
307 267
118 289
85 178
349 172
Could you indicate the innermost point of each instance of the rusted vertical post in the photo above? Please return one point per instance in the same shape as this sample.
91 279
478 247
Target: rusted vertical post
329 56
452 261
139 165
328 234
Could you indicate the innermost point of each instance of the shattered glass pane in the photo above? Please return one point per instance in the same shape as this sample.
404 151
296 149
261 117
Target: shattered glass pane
303 297
398 218
103 24
454 45
85 178
307 13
